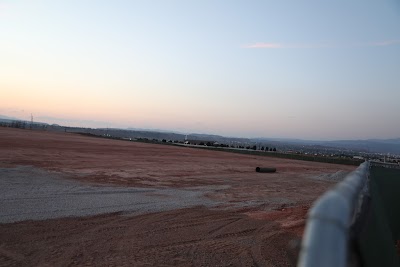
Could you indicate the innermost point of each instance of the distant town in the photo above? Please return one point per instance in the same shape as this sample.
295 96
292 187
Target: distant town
342 152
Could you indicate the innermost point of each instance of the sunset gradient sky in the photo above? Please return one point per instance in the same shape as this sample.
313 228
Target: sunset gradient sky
296 69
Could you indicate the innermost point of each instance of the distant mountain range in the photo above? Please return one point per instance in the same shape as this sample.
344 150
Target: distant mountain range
7 119
2 117
154 130
217 138
369 145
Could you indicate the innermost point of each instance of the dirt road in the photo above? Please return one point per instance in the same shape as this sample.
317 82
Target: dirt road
237 217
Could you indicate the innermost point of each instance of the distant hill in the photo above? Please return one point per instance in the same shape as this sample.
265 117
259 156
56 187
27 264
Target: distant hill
217 138
7 119
371 145
2 117
152 130
140 134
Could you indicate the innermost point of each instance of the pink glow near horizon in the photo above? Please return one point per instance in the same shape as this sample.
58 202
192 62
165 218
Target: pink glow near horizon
243 69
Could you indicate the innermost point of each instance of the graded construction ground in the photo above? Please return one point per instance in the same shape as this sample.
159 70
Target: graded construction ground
171 206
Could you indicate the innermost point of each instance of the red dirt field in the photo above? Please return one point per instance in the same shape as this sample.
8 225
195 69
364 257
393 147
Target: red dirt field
259 220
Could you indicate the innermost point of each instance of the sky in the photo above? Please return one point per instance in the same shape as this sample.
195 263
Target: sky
319 70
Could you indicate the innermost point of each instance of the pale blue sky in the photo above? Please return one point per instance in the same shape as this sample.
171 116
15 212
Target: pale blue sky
298 69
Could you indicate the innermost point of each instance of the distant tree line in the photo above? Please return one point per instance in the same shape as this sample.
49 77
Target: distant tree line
208 144
22 124
15 124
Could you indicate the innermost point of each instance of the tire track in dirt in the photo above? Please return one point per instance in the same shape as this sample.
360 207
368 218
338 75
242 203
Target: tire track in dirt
172 238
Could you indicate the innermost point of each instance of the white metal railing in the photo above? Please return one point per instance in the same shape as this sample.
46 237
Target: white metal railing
326 237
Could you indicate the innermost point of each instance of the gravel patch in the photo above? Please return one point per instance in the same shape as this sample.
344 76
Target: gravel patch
334 177
29 193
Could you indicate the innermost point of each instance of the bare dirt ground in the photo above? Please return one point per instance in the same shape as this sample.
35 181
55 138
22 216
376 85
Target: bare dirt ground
256 221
